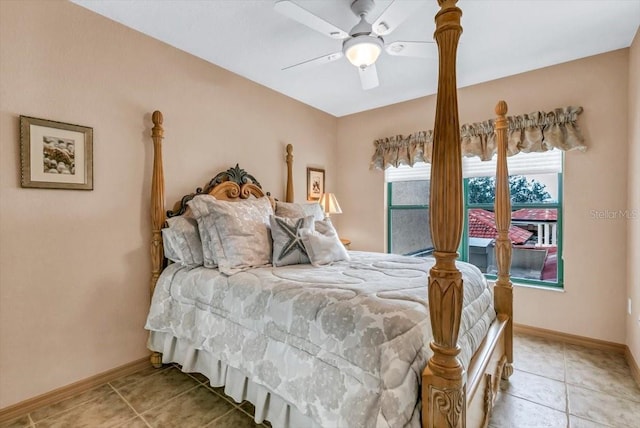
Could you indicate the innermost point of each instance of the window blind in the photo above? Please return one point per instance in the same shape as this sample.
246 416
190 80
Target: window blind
519 164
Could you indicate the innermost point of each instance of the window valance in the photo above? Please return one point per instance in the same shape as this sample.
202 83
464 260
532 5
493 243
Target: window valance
534 132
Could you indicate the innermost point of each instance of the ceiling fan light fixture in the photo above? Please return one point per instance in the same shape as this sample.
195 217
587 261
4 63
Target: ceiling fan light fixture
362 51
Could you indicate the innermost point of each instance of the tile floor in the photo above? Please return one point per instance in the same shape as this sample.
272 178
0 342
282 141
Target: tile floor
554 385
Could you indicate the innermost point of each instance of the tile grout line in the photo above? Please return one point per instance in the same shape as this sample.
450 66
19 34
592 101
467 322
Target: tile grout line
245 412
538 374
219 417
569 383
34 422
160 404
61 412
205 383
613 394
130 406
566 386
236 406
531 401
225 397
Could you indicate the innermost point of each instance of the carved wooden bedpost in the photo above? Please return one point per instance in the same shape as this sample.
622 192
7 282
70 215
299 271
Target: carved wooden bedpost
503 291
157 211
444 378
289 195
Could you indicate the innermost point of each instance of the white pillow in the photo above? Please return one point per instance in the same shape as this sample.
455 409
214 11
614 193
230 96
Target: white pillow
181 241
205 228
239 231
323 244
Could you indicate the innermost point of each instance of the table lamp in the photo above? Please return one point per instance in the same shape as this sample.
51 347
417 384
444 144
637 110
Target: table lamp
329 204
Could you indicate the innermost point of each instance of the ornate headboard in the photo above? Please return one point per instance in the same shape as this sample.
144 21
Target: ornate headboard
232 184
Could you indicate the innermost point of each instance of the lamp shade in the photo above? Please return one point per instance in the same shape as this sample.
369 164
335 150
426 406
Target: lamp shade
362 51
329 204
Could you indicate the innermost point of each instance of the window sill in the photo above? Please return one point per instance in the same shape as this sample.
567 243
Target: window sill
557 288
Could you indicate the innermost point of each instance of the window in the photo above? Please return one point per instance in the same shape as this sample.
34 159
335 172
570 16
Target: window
408 218
536 199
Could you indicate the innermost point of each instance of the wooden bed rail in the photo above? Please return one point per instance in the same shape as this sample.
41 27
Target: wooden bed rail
503 291
444 378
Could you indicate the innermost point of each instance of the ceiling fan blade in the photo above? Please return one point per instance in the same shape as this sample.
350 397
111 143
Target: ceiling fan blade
394 15
303 16
369 77
415 49
324 59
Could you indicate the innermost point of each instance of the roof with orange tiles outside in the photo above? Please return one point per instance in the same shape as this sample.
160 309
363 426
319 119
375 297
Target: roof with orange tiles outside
482 224
536 214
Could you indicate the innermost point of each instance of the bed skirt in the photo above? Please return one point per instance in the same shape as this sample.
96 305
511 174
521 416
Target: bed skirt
269 406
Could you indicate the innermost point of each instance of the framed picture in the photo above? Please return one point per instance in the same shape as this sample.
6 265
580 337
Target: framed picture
55 155
315 183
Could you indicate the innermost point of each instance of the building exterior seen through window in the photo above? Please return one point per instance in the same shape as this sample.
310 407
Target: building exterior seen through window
535 232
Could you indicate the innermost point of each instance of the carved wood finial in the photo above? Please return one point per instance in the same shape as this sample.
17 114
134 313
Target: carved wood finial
157 132
501 108
157 118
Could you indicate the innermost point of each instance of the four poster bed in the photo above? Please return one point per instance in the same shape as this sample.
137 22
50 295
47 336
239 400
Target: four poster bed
349 343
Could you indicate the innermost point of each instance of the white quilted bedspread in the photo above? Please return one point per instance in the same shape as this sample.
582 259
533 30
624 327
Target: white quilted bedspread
345 344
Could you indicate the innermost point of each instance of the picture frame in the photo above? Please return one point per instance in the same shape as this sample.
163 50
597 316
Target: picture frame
315 183
55 155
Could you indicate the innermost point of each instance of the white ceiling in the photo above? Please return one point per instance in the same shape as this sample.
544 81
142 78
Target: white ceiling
500 38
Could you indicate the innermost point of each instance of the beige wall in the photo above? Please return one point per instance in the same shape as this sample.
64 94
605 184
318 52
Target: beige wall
633 256
74 265
593 300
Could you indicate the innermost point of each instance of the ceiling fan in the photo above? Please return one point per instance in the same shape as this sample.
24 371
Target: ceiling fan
364 43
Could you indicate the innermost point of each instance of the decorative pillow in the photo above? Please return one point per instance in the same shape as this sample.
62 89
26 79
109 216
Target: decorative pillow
294 210
169 245
205 226
238 231
323 244
182 241
325 227
288 248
